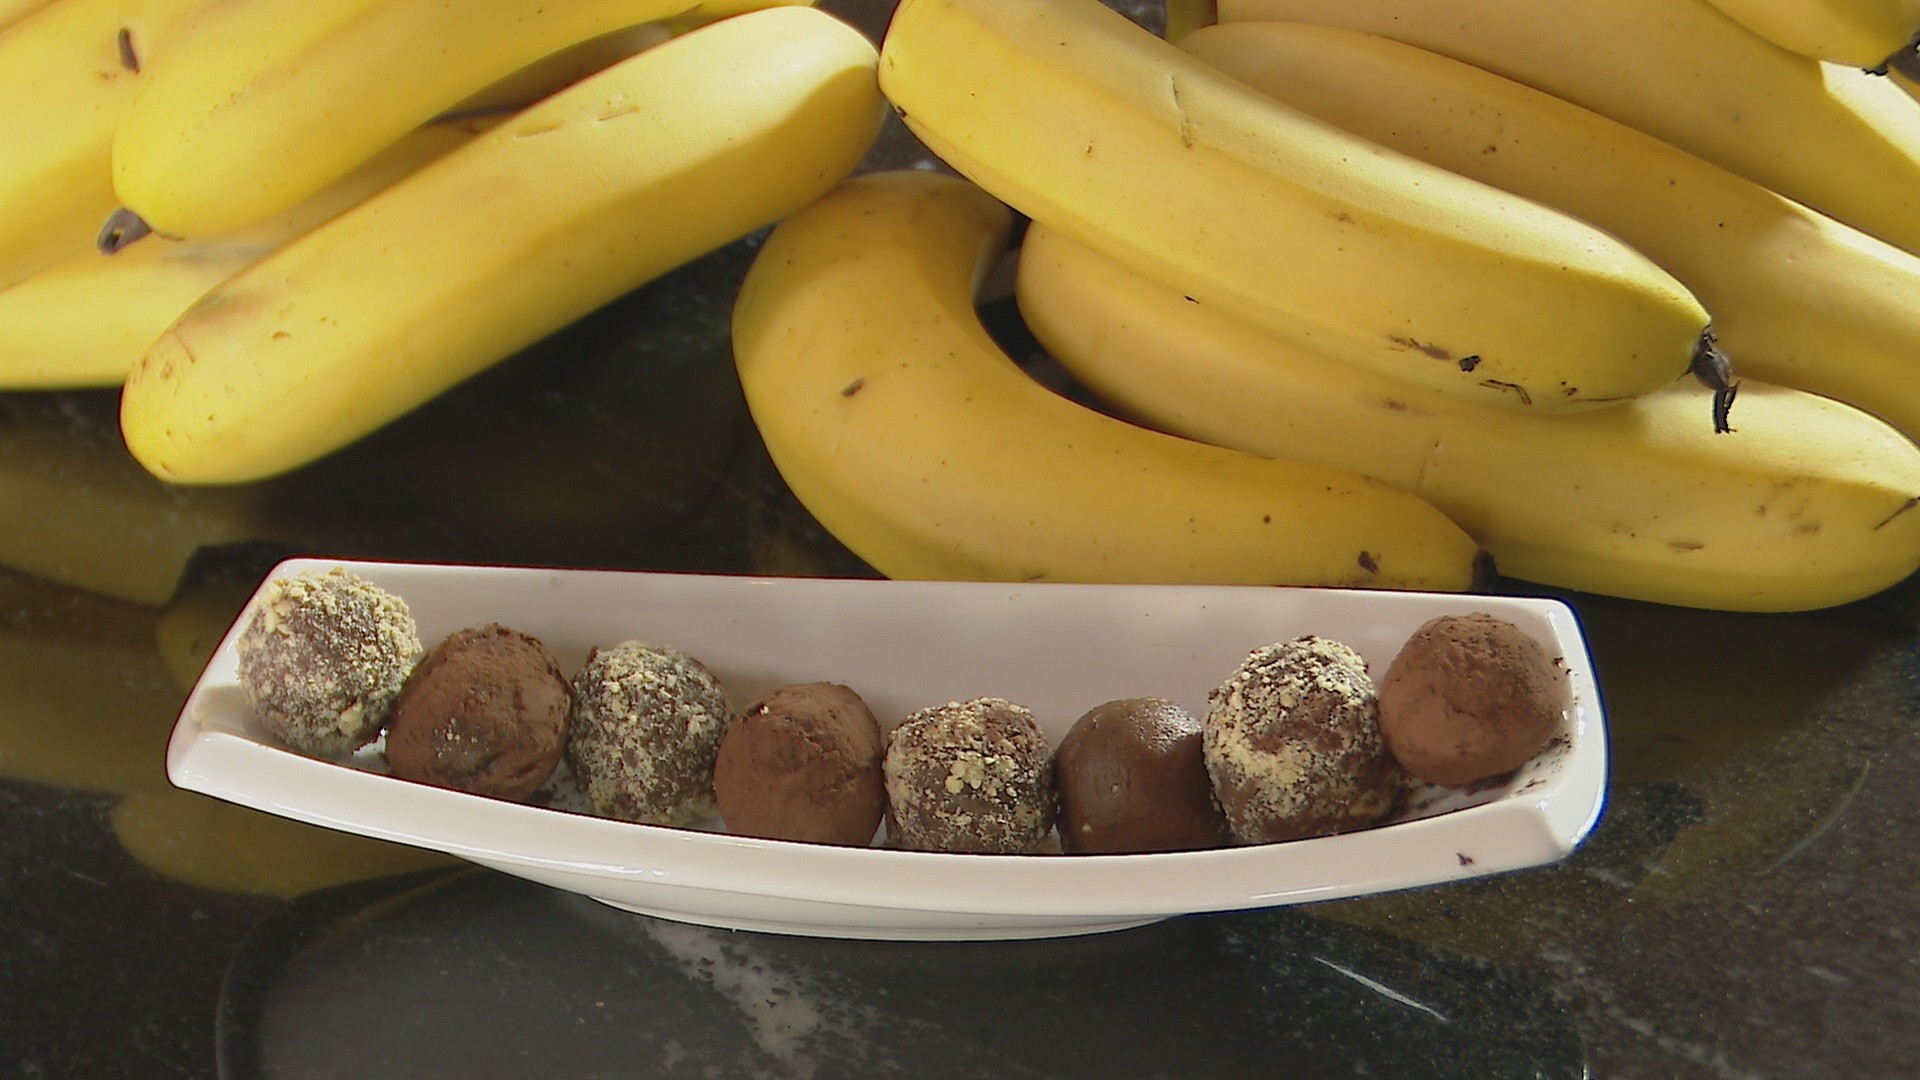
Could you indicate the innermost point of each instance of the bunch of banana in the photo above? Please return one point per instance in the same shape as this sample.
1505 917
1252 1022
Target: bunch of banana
260 104
1080 119
87 320
565 206
1797 298
1838 139
1809 503
67 75
904 428
1867 34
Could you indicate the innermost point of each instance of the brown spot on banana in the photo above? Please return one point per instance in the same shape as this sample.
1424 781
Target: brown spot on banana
1438 352
1369 563
853 387
1912 501
129 59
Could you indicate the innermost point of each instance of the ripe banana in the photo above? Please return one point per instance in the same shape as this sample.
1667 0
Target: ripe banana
261 103
1797 298
1809 503
906 431
13 11
1081 119
580 198
67 74
1837 139
1858 33
86 320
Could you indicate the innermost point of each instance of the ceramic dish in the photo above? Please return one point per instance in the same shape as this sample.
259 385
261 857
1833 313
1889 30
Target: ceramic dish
1059 649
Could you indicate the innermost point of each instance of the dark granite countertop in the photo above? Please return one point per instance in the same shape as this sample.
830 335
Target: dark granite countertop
1746 908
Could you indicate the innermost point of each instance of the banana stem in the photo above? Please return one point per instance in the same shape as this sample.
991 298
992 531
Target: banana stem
122 228
1715 370
1905 60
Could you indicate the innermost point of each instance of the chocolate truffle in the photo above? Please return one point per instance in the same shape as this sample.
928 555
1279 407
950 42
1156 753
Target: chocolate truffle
647 723
322 658
1131 778
1469 697
1292 742
484 711
969 776
802 762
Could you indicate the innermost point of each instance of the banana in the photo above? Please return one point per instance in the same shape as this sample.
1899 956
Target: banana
87 320
580 198
904 429
67 75
561 69
13 11
261 103
1837 139
1080 119
1797 298
1807 504
1859 33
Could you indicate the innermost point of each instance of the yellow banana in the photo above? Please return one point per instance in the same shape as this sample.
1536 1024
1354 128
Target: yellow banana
1835 138
906 431
1797 298
261 103
13 11
569 204
1079 118
1808 503
86 320
67 74
1859 33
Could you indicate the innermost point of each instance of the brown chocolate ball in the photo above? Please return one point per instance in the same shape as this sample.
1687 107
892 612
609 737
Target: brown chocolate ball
1470 697
1132 778
1292 741
969 776
484 711
646 726
802 762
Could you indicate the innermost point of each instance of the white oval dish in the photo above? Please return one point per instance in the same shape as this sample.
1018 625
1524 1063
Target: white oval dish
1058 649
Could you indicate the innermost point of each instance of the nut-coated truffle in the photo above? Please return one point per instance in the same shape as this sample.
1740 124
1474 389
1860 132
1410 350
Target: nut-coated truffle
1132 778
322 658
647 723
802 762
1292 742
1470 697
969 776
484 711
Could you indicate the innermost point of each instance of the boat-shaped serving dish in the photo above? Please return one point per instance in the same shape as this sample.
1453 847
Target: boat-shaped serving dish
1059 649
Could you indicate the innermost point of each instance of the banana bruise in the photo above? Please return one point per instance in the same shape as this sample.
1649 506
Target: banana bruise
906 431
1684 73
562 208
259 104
67 76
87 320
1858 33
1807 504
1797 298
1080 119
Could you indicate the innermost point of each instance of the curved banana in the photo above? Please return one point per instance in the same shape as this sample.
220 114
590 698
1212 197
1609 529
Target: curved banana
579 199
67 74
1797 298
13 11
906 431
261 103
1078 118
88 319
1809 502
1682 72
1858 33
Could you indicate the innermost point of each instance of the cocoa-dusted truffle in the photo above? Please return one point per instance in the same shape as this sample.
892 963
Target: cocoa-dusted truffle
647 722
802 762
1132 778
1470 697
484 711
322 658
1292 742
971 776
